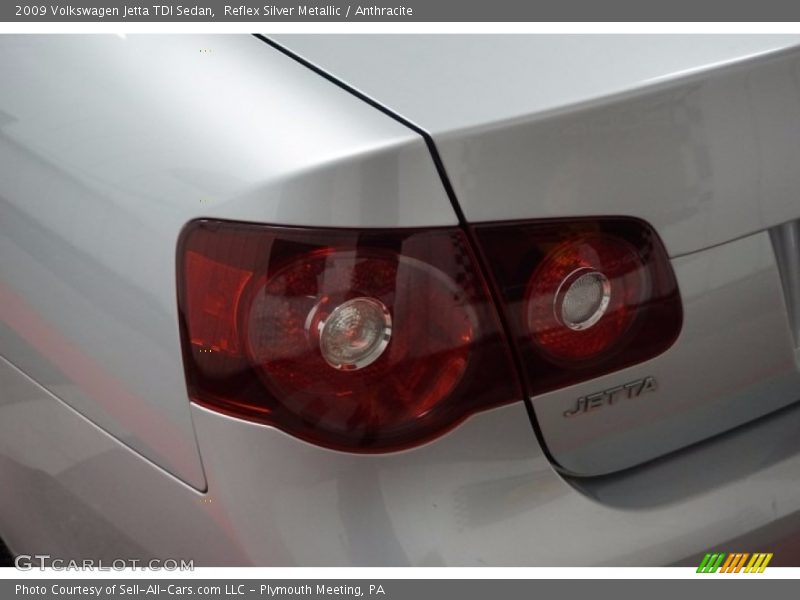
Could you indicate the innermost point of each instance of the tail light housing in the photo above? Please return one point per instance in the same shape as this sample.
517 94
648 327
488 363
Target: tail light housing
379 340
362 341
582 297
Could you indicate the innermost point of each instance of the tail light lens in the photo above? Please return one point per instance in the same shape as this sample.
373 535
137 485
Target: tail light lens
355 340
583 297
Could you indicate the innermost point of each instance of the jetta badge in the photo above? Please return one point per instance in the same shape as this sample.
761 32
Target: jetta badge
611 396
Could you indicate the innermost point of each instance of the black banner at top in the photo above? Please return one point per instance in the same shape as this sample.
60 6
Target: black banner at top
396 10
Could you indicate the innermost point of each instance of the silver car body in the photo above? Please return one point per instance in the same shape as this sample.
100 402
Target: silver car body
109 145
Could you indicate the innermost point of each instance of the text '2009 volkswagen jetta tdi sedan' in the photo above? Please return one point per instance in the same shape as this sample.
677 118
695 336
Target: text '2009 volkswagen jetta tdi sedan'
400 300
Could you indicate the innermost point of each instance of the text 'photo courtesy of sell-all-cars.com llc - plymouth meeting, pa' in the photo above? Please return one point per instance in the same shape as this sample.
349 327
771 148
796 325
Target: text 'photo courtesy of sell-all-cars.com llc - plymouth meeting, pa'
407 300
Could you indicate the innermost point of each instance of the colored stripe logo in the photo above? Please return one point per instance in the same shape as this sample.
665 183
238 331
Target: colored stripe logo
737 562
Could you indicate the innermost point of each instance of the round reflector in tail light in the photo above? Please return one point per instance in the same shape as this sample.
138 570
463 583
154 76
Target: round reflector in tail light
355 333
355 340
583 297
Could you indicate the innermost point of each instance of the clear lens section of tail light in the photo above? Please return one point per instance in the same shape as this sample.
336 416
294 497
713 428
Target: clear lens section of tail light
357 340
583 297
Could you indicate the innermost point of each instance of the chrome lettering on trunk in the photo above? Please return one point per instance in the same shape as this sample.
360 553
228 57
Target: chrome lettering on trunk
598 400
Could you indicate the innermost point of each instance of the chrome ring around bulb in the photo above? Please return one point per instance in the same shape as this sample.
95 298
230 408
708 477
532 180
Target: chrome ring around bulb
376 349
564 288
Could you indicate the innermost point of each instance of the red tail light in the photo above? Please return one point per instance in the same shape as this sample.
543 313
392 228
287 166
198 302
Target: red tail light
356 340
583 297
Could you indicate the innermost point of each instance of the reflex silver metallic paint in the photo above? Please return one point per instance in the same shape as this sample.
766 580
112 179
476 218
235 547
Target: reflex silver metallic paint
697 135
109 145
